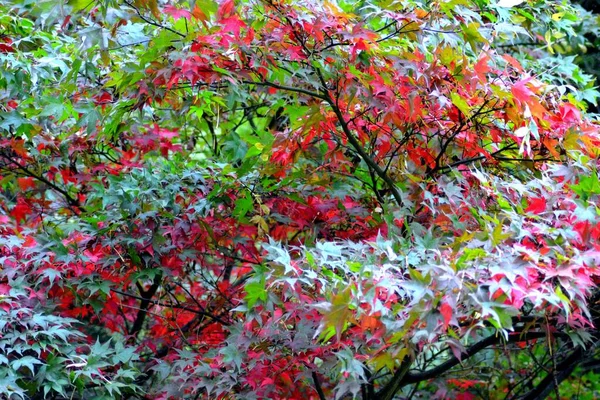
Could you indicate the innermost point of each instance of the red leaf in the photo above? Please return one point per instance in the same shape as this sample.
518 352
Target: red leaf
67 176
226 9
482 67
21 210
521 92
164 133
233 25
177 13
65 22
465 396
26 183
267 382
569 113
536 205
286 379
446 311
6 48
513 62
103 98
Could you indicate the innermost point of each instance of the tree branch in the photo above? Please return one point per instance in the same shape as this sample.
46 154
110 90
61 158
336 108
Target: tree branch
145 295
403 377
286 88
152 22
145 302
558 374
318 386
413 377
71 201
361 151
395 384
474 159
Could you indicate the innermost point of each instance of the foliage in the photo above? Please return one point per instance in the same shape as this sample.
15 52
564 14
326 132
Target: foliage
295 199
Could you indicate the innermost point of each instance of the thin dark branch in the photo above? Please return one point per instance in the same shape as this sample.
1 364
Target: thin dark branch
561 372
389 390
525 159
361 151
475 159
71 201
128 45
152 22
286 88
414 377
518 44
403 377
145 303
149 301
318 387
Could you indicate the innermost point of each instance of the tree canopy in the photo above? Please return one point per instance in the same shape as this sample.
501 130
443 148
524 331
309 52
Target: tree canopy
275 199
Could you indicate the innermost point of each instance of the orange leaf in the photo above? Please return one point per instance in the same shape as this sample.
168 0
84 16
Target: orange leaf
482 68
199 14
551 145
369 322
26 183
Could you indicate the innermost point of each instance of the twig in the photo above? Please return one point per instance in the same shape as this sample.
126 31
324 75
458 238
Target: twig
170 305
318 386
152 22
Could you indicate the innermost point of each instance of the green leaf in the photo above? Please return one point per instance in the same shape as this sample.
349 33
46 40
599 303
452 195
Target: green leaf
587 186
472 33
255 291
243 205
11 119
460 103
232 354
27 362
338 315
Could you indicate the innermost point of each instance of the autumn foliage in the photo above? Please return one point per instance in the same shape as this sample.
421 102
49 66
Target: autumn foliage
294 200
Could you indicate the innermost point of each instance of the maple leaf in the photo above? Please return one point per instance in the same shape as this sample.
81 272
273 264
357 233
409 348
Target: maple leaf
337 315
226 9
164 133
411 131
21 210
536 205
521 91
6 48
447 312
26 183
177 13
482 67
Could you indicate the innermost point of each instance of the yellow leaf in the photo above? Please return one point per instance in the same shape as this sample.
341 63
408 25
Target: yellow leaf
263 227
498 236
265 209
571 141
383 360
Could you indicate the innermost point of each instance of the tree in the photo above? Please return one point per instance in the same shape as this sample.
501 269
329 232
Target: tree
283 199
